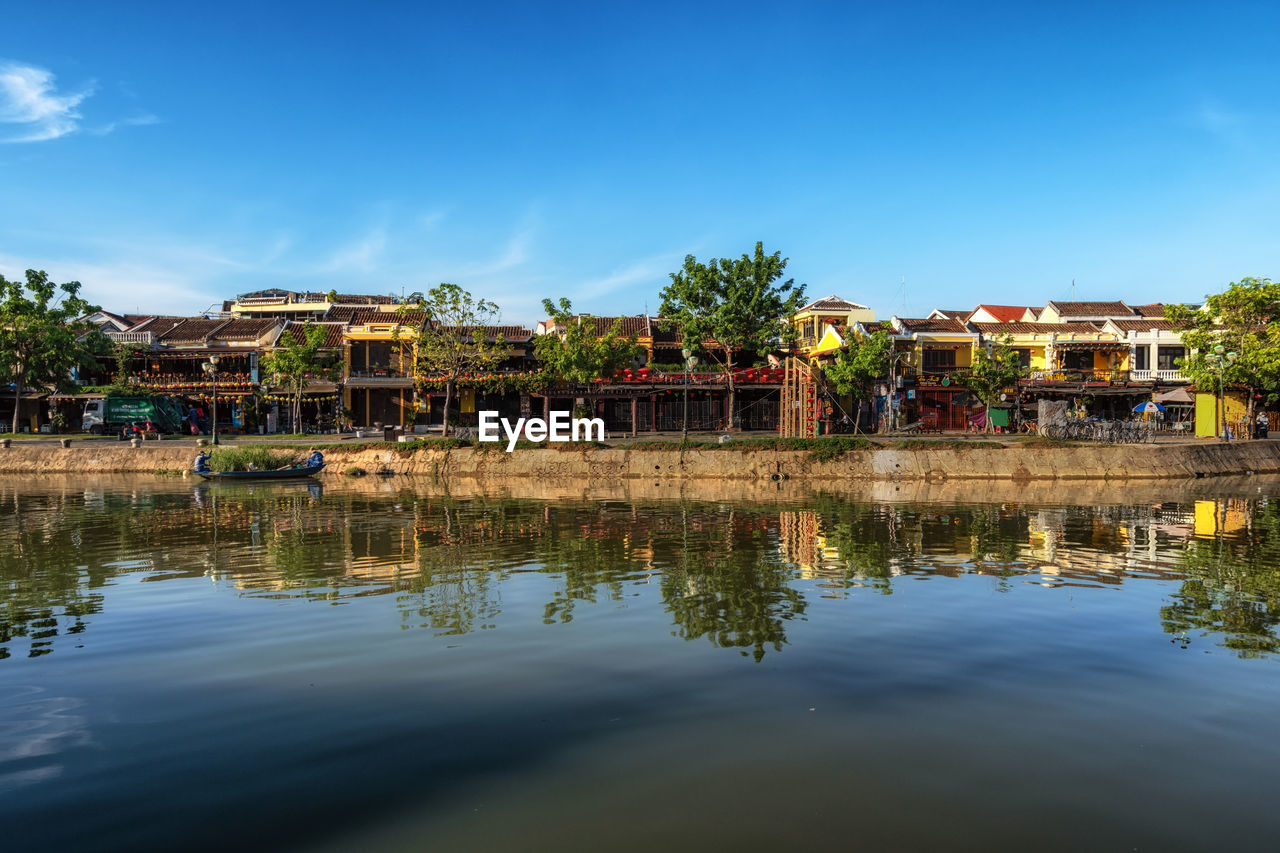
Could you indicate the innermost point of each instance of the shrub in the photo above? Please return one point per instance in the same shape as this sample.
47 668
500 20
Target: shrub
355 471
262 458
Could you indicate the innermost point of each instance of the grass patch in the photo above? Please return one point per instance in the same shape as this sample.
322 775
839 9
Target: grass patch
261 457
354 471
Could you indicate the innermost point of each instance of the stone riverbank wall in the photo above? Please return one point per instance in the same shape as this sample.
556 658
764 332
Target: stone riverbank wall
1016 462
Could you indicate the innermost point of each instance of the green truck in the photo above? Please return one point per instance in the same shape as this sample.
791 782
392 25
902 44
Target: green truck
110 414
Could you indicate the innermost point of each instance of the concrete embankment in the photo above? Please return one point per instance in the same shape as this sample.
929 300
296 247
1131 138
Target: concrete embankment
1015 461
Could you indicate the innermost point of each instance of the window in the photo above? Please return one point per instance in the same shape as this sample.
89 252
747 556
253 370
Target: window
1077 360
939 359
1142 358
1024 356
1167 357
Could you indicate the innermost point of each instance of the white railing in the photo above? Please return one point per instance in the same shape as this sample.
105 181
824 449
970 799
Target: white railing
1157 375
132 337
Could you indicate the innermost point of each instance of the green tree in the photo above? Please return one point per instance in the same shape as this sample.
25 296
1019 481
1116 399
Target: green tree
740 304
296 363
860 364
122 380
454 339
40 342
1241 319
578 353
995 368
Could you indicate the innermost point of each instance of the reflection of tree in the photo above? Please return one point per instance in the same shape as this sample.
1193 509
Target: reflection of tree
455 587
45 590
1233 586
730 575
733 589
868 543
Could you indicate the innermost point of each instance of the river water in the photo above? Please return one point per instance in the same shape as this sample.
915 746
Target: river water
387 666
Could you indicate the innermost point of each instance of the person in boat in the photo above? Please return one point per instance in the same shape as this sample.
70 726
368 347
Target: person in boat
202 464
316 458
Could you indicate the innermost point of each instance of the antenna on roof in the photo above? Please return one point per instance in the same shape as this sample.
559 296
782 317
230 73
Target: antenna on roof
1073 290
904 295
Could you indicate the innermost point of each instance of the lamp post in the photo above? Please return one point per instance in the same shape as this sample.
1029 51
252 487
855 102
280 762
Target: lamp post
1220 359
688 362
210 367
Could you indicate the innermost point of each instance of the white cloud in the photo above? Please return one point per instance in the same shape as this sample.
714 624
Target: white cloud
514 254
359 256
134 121
125 286
651 271
29 98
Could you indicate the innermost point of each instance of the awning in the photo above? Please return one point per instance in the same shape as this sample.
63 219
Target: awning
1177 395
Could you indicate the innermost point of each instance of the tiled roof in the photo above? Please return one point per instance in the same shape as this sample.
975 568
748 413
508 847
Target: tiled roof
1002 313
948 326
879 326
244 330
193 330
954 315
1155 309
1144 325
332 333
358 315
637 325
1092 309
156 325
833 303
511 334
994 329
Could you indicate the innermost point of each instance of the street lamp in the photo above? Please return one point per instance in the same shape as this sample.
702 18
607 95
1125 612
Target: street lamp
688 363
1219 358
210 367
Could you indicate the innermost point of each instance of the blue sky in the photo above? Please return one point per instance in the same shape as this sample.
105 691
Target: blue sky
168 155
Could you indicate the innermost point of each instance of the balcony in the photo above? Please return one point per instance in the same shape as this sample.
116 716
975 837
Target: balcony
1109 377
1158 376
147 338
380 377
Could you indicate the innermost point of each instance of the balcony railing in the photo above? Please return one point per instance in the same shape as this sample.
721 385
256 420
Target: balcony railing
132 337
1158 376
381 373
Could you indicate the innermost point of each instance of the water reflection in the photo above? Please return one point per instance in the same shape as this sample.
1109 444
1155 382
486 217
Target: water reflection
734 575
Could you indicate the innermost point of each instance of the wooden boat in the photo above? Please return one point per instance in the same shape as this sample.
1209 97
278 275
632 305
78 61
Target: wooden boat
293 472
274 474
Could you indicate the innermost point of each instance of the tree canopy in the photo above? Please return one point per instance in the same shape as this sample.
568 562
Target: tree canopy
295 364
861 362
454 340
994 368
40 342
1243 320
579 353
742 305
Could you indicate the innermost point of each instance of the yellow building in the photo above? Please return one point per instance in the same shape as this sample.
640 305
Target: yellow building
379 366
1061 350
301 306
941 352
813 321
